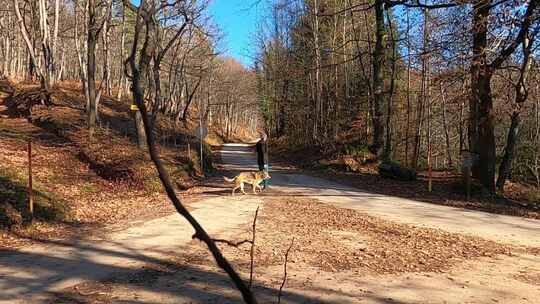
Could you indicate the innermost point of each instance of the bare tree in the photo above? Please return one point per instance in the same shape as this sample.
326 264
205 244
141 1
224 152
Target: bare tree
45 71
98 13
521 93
145 48
481 126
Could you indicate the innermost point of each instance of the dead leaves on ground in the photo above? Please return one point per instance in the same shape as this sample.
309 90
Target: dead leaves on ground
334 240
104 181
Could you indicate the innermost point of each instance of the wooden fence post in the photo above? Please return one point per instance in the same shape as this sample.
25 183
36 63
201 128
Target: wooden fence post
30 190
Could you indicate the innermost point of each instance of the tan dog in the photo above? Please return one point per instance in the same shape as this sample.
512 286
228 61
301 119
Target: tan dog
253 178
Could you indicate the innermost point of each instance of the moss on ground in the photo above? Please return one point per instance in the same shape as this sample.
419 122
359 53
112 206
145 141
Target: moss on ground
14 197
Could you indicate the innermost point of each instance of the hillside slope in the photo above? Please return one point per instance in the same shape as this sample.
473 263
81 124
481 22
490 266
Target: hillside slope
79 182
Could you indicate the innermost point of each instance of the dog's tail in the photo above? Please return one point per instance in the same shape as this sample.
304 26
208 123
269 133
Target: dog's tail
230 180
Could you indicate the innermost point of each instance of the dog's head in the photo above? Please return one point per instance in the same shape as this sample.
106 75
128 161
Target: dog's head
266 175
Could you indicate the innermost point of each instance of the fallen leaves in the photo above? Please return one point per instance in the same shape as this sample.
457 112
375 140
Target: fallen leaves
102 181
334 240
529 277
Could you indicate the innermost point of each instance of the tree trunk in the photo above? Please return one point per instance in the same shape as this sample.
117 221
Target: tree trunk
379 101
106 65
481 128
407 126
387 154
483 142
445 127
141 134
537 139
81 54
462 121
30 47
318 76
122 45
426 75
190 98
505 168
94 28
48 60
91 67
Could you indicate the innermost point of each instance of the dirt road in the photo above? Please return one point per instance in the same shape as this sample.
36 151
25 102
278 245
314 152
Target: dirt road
50 270
500 228
30 274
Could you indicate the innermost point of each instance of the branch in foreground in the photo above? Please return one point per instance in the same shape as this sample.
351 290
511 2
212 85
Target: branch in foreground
200 233
139 71
285 271
252 251
230 243
238 244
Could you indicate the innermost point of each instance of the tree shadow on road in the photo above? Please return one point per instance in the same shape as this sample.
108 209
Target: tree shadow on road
80 272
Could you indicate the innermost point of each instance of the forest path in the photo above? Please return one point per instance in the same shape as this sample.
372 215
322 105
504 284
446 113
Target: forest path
500 228
35 273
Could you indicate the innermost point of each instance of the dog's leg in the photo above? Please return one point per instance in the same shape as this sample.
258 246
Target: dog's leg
242 188
254 185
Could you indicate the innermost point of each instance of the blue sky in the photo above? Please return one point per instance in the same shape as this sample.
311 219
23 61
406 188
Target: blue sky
238 21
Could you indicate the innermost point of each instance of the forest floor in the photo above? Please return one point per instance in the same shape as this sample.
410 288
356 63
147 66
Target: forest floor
342 250
79 184
337 256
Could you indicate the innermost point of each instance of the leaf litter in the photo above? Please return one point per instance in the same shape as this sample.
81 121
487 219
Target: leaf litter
333 240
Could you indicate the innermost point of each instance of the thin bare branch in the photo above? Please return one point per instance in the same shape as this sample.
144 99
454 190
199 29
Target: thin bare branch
284 271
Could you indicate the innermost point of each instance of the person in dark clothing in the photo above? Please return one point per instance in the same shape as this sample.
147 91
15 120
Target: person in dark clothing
262 155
